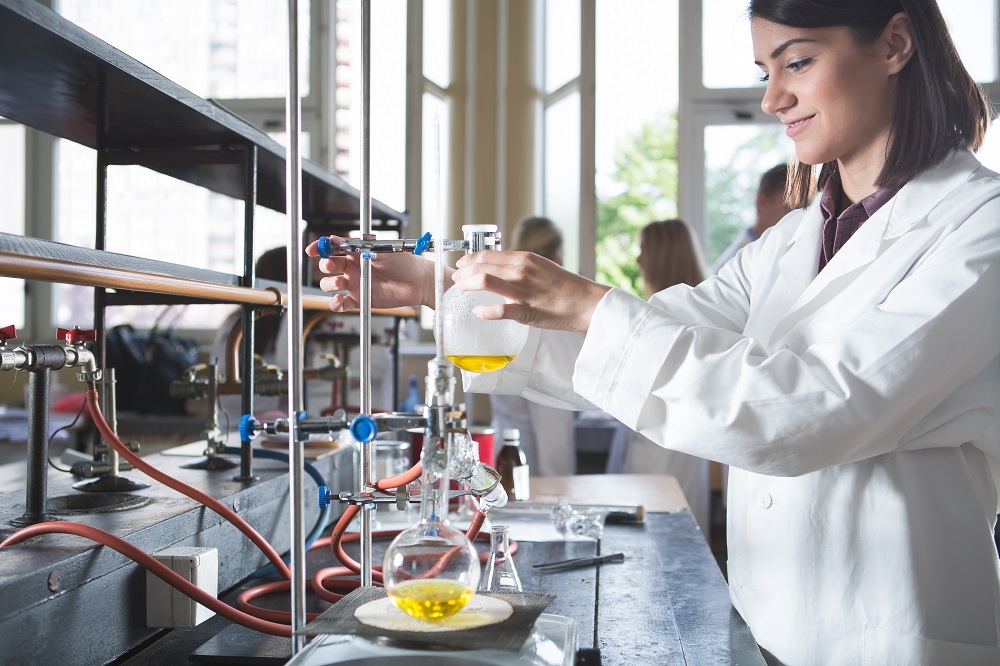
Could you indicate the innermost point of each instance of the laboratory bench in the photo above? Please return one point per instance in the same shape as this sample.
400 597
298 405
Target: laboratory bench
667 603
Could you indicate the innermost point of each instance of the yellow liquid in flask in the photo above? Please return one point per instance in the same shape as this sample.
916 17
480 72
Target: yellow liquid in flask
480 363
432 599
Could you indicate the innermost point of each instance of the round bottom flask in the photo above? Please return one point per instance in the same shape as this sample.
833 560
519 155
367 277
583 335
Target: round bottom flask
431 570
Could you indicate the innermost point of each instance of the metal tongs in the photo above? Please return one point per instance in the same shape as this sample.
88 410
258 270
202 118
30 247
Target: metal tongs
566 565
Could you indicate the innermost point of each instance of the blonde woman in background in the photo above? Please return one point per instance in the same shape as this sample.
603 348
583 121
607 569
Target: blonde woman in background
668 256
546 432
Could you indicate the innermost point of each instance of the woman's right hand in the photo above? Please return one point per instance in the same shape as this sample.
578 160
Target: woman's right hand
399 279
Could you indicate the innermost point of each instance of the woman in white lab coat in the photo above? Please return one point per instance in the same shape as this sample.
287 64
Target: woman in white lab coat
850 380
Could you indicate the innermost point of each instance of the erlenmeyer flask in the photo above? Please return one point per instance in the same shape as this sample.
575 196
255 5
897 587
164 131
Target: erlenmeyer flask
472 343
500 574
431 570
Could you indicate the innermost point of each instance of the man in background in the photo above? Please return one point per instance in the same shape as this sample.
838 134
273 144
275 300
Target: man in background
771 207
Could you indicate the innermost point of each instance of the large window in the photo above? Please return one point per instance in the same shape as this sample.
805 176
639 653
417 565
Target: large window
235 53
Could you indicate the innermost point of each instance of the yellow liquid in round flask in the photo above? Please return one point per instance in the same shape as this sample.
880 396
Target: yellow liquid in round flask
432 599
471 343
431 570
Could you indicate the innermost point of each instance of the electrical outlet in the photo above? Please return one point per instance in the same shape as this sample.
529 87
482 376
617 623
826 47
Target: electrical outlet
168 607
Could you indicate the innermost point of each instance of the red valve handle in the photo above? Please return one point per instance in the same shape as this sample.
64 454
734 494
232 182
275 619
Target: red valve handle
76 335
7 333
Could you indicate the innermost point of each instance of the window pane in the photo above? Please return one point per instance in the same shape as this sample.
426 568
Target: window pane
153 216
561 200
562 42
627 96
636 131
214 48
989 154
437 41
735 158
727 50
388 101
12 219
973 26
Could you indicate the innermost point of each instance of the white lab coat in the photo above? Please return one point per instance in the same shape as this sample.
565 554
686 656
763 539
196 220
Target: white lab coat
857 408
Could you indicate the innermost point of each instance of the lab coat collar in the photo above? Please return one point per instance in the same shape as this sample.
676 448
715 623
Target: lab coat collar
910 205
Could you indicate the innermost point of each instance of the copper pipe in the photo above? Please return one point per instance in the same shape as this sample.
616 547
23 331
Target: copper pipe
231 362
55 270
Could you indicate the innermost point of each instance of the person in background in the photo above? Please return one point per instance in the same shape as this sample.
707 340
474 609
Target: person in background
546 432
845 366
668 256
770 205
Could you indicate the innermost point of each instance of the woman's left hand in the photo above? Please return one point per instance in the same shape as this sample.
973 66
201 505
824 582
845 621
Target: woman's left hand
541 292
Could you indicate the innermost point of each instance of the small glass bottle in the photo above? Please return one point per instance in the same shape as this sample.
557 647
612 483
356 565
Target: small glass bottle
500 574
471 343
513 466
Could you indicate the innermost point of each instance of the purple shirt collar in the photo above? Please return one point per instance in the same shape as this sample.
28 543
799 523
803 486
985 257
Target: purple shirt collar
837 231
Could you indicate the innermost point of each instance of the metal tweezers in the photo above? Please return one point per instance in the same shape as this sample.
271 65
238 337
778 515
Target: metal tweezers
565 565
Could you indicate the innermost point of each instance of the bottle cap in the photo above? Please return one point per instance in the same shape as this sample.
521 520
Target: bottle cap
510 434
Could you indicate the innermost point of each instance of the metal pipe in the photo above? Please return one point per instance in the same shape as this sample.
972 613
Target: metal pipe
296 458
367 450
65 272
36 483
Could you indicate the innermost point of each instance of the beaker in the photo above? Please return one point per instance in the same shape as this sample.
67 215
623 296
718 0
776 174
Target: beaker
500 574
471 343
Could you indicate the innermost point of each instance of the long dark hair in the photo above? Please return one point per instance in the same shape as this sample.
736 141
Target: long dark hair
939 107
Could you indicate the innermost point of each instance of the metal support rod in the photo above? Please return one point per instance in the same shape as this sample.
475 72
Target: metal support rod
249 279
296 459
100 294
36 483
396 323
111 411
367 450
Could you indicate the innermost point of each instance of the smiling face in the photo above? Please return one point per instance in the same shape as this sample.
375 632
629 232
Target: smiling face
835 97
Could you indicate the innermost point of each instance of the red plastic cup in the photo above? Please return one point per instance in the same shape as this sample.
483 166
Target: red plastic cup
483 436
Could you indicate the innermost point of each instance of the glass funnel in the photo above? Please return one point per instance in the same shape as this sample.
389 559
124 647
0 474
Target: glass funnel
431 570
472 343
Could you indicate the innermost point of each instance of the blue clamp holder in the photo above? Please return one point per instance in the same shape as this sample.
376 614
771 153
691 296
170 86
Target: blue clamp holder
363 429
247 427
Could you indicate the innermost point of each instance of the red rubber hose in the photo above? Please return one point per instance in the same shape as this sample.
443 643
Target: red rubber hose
153 565
215 505
406 477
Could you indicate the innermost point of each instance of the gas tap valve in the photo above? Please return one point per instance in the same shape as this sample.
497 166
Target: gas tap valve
73 354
